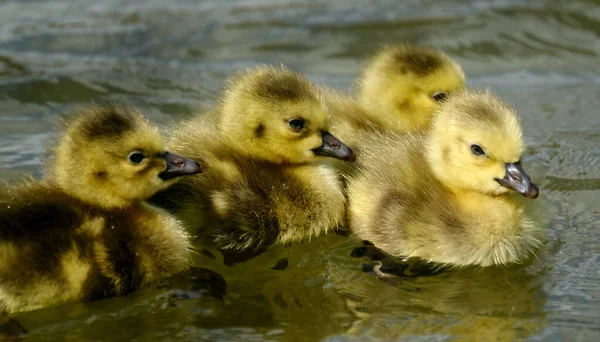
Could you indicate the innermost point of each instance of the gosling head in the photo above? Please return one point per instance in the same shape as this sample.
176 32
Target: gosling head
476 143
404 84
278 115
112 157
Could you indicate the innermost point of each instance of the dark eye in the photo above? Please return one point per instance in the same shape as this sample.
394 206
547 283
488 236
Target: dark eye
439 96
136 157
297 124
477 150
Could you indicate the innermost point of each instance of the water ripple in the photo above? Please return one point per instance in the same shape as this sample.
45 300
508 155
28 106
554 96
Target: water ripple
170 59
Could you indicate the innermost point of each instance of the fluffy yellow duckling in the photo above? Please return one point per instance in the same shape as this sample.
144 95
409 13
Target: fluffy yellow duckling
444 195
398 90
402 85
264 182
86 232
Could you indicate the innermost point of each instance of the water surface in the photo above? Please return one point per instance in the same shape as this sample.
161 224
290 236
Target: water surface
170 58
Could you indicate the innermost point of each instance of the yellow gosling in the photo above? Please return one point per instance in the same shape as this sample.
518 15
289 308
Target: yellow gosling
86 232
265 179
448 194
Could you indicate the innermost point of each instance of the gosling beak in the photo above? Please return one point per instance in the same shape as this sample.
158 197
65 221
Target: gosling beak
517 179
178 166
334 148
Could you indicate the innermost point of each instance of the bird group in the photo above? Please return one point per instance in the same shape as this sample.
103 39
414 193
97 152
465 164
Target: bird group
414 162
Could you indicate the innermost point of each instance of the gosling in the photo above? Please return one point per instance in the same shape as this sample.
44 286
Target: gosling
265 180
447 194
85 231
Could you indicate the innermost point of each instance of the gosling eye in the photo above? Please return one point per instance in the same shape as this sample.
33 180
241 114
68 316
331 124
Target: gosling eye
136 157
477 150
439 96
297 124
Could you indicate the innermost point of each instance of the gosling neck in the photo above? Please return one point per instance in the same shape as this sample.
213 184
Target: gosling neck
88 189
96 196
436 157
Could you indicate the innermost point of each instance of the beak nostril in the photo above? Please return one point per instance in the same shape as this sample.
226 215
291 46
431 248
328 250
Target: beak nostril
335 145
178 166
514 172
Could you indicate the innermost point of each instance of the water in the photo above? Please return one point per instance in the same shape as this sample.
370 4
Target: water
169 59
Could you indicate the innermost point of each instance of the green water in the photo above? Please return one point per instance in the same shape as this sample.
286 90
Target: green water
170 57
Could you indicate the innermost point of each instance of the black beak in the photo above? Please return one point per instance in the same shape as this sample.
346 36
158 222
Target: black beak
334 148
517 179
178 166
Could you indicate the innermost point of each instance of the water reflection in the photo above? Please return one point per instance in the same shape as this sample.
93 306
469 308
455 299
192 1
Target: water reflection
498 303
